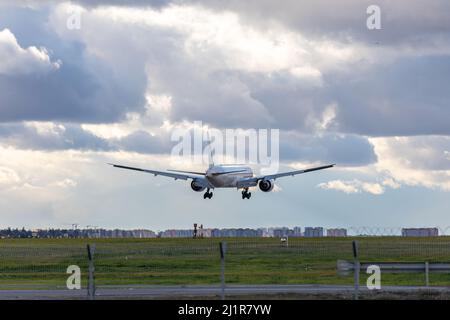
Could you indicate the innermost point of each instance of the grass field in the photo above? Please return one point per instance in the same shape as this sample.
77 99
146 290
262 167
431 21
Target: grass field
43 262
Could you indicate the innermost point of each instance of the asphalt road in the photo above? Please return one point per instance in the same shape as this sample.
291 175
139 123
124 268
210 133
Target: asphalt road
199 291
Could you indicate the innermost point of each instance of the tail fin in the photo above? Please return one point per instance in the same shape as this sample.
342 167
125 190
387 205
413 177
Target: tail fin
210 154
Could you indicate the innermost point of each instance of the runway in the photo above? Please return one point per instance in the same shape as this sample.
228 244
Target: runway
154 292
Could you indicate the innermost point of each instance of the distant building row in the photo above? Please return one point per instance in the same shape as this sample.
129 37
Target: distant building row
420 232
309 232
76 233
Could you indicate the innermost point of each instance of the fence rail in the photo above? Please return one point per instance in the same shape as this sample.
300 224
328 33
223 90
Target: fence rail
345 268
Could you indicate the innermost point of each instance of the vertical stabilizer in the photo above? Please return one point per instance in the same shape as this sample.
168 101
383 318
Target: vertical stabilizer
210 150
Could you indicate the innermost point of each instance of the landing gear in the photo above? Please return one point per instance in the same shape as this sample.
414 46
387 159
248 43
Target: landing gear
246 194
207 194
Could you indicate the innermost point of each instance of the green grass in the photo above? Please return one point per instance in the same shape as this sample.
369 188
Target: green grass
43 262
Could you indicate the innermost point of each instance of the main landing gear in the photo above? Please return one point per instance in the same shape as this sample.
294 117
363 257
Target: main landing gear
246 194
207 194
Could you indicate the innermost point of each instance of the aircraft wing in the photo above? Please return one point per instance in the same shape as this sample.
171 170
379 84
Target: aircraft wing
176 176
293 173
250 182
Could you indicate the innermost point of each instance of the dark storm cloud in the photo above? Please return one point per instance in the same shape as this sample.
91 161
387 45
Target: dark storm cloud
74 137
83 89
143 142
404 97
91 3
402 21
65 94
408 97
127 3
348 150
290 102
59 138
218 98
401 95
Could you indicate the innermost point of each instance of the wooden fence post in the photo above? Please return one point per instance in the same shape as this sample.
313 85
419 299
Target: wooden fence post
91 279
223 249
356 267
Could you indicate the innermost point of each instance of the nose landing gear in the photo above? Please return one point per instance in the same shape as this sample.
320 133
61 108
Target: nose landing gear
207 194
246 194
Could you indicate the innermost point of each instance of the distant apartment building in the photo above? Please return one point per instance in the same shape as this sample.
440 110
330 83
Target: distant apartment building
311 232
238 232
297 232
420 232
281 232
142 233
181 233
204 233
270 232
337 232
116 233
103 233
264 232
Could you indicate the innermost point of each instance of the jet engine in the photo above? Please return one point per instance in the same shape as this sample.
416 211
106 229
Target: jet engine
266 185
196 186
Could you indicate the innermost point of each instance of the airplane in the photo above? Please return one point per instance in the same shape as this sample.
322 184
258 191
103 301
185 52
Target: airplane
225 176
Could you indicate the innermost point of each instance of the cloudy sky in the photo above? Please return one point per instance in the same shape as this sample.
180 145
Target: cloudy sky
114 87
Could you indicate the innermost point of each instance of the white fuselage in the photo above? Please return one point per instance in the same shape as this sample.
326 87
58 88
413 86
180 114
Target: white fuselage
227 176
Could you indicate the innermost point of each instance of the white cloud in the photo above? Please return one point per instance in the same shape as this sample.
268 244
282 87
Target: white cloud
207 59
153 120
308 73
45 127
414 161
373 188
16 60
353 186
391 183
8 176
66 183
339 185
323 121
417 161
222 40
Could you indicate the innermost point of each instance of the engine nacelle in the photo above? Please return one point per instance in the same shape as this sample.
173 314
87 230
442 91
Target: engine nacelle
266 185
196 186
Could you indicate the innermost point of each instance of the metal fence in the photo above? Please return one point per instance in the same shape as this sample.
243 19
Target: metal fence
43 263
